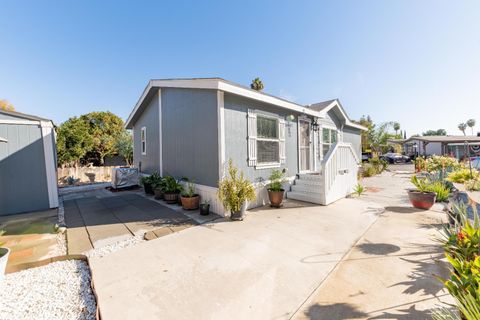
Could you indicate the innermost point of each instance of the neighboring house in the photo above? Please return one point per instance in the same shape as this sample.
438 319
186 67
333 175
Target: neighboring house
191 127
28 177
455 146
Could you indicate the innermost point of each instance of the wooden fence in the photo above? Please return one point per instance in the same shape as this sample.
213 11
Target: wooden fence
102 174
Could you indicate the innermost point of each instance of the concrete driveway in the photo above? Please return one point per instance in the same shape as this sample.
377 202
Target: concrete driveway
262 268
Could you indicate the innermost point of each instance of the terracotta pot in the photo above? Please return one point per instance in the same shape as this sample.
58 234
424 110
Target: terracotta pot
276 198
158 194
170 197
422 200
190 203
239 215
204 209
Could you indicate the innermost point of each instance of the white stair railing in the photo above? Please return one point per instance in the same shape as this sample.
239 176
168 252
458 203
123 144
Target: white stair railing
340 169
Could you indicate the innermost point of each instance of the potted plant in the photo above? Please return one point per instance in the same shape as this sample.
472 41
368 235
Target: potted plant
205 208
91 176
158 188
275 188
235 191
147 182
421 197
4 253
190 200
172 189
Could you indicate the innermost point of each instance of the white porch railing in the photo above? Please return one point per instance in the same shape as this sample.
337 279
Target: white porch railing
339 172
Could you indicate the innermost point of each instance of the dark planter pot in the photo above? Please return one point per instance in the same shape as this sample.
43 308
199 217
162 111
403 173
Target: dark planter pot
170 197
239 215
422 200
148 188
276 198
190 203
158 194
205 209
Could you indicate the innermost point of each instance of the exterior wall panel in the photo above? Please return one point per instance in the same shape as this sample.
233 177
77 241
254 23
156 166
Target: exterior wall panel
236 134
150 120
190 134
354 137
23 179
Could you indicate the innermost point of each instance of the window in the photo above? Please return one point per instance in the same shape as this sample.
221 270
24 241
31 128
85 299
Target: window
268 142
143 140
329 137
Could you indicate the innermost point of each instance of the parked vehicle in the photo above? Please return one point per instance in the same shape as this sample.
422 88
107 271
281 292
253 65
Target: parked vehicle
234 191
475 163
190 200
392 157
366 156
275 188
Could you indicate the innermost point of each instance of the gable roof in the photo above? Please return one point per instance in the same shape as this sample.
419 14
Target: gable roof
222 85
23 116
324 107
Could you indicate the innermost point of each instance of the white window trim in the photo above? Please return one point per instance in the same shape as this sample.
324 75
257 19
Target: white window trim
322 143
268 165
143 138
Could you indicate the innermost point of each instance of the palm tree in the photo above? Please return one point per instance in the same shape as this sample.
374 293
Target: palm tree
257 84
462 127
471 124
396 127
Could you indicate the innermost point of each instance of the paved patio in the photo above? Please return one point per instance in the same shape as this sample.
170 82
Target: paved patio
261 268
98 218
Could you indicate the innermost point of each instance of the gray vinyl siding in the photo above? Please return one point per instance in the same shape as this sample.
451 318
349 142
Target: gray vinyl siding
190 134
150 120
23 178
354 137
236 134
8 117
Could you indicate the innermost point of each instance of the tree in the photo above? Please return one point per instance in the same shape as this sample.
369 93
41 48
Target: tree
396 127
7 106
73 141
378 137
105 129
124 146
471 124
462 127
257 84
367 122
438 132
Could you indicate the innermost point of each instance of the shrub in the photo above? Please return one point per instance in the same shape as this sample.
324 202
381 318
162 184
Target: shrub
235 190
461 242
378 164
472 185
368 170
172 185
189 191
359 189
442 163
462 175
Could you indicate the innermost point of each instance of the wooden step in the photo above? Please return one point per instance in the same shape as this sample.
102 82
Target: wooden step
304 197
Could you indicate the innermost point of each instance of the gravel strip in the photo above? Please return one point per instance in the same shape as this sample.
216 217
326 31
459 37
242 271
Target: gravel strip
105 250
59 290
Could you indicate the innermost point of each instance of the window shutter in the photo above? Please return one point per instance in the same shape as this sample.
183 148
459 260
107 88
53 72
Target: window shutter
281 137
252 137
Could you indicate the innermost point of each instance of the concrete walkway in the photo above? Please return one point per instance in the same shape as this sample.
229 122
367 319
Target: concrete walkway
261 268
371 257
389 274
99 218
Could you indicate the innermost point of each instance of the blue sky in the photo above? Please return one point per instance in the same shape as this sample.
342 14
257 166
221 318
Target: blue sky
416 62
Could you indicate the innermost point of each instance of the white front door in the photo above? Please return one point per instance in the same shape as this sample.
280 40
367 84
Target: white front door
304 145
